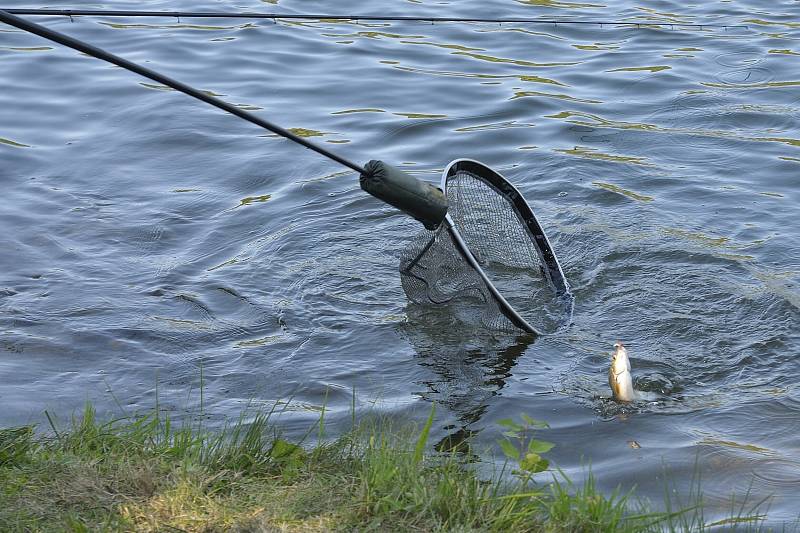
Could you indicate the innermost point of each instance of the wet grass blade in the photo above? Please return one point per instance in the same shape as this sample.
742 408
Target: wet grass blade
419 449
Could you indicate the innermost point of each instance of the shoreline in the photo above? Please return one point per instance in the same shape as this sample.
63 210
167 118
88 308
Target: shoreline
144 473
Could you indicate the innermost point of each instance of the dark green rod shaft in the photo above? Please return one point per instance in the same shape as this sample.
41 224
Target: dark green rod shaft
256 15
86 48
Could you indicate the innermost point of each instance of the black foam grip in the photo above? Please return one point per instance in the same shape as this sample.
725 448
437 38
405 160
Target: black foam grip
417 198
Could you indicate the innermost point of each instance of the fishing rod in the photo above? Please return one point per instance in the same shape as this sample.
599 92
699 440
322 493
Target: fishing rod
417 198
351 18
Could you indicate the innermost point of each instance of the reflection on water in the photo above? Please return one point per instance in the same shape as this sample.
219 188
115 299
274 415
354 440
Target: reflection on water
146 236
468 370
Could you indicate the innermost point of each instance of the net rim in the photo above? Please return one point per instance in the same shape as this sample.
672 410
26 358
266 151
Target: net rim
524 211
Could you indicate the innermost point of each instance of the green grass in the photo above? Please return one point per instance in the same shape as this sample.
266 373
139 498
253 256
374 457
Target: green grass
145 474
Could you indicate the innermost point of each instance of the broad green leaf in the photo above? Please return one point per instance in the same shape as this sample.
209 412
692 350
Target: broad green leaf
509 449
533 463
539 446
507 422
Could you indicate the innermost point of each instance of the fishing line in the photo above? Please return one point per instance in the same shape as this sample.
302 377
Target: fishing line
357 18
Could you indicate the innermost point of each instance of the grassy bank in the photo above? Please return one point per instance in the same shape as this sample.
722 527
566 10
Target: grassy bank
144 474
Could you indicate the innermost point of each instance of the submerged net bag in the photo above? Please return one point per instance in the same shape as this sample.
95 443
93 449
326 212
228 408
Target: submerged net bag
489 259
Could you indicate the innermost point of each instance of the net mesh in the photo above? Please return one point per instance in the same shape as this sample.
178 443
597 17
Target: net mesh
434 271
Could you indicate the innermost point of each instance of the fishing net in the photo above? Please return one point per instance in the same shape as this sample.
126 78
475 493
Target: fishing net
489 260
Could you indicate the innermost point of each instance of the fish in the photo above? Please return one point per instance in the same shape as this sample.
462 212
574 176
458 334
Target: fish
619 375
